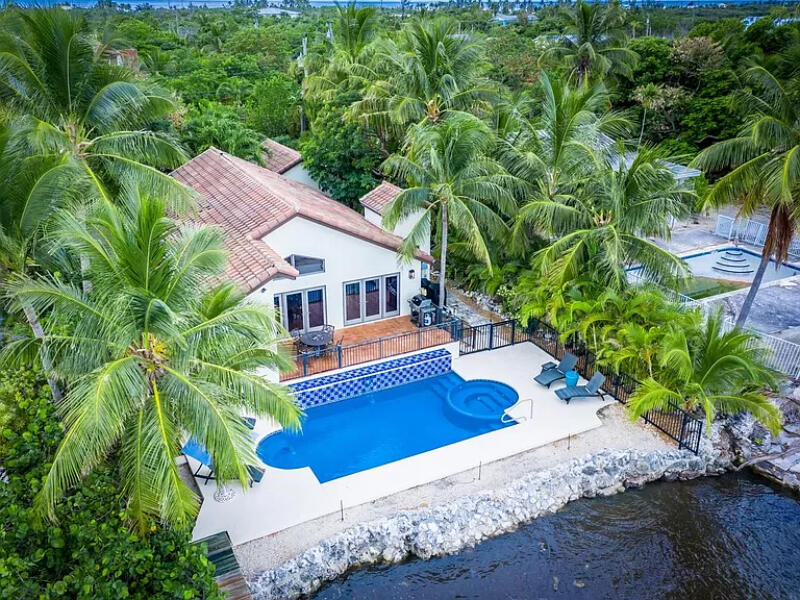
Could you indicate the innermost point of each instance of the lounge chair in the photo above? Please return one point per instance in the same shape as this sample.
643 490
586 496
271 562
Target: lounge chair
198 452
552 372
583 391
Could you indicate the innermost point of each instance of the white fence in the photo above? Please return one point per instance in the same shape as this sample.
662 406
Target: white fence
748 231
783 356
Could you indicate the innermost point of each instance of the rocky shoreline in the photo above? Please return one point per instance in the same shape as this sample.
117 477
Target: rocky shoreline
466 521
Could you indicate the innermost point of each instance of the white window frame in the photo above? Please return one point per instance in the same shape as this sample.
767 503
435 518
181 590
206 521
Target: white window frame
304 294
382 314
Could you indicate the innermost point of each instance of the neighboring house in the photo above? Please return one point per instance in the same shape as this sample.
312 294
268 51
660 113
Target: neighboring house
128 57
318 261
287 162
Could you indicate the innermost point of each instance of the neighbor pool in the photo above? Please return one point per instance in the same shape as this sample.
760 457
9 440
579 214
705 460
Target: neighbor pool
345 437
741 267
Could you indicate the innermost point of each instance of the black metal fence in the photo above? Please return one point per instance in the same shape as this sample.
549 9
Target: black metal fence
674 422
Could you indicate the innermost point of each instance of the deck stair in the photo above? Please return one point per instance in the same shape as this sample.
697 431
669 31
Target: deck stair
229 576
733 262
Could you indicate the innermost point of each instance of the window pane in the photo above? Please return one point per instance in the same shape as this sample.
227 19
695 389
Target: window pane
390 303
294 311
372 293
352 301
316 308
306 265
277 300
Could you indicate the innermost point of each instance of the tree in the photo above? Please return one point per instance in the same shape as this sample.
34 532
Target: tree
594 42
342 155
448 171
272 105
89 122
764 159
429 73
554 150
214 124
153 355
599 229
710 370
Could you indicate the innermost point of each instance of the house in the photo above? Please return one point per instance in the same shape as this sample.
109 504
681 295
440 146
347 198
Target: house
317 261
375 202
287 162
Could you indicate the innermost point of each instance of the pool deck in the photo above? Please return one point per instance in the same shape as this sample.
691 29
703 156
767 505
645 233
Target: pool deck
285 498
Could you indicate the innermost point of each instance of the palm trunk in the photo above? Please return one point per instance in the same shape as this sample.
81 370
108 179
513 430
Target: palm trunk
751 295
644 118
443 257
38 332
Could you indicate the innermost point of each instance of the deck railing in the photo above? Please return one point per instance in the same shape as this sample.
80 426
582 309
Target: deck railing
338 356
674 422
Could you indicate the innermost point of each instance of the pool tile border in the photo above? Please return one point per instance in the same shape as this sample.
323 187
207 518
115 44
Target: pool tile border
372 378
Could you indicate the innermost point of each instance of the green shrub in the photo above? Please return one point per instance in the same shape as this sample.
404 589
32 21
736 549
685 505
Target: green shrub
90 552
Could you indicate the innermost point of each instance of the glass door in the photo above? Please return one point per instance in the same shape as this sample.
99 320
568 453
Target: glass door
391 295
352 302
372 299
294 312
303 310
315 301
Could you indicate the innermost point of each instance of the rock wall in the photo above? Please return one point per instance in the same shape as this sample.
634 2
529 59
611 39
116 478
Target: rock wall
466 521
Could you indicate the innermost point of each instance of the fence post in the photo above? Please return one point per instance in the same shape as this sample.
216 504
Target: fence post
513 330
683 429
380 347
305 364
339 353
491 336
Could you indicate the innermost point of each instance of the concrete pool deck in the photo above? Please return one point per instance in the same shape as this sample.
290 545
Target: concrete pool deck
287 498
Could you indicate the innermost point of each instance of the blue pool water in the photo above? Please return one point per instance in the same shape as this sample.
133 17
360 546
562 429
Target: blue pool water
342 438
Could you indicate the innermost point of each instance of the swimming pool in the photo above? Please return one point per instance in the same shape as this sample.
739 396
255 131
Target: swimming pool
735 263
345 437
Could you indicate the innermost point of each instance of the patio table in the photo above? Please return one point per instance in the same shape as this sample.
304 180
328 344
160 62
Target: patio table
316 339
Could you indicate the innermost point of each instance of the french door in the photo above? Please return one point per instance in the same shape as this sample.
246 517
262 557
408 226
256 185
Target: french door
371 298
303 310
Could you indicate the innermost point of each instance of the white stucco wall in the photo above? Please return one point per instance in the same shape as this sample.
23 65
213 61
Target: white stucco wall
300 174
403 227
346 258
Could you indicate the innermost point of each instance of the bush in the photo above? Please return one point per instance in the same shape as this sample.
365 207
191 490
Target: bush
90 552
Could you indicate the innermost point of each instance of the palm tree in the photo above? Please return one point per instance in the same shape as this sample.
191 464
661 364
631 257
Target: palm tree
154 355
448 172
554 151
600 229
430 72
88 123
594 42
765 168
710 370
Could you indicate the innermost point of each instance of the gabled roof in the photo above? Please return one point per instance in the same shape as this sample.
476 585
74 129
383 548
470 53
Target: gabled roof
380 197
280 158
248 202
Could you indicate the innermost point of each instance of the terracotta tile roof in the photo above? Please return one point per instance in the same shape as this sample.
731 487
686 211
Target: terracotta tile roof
248 201
379 198
280 158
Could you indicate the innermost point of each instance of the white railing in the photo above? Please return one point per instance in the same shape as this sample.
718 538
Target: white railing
748 231
784 356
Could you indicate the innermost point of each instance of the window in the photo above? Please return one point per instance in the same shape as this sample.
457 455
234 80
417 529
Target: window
303 310
306 265
371 298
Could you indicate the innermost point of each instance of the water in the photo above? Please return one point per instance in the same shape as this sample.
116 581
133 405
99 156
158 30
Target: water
702 264
732 538
367 431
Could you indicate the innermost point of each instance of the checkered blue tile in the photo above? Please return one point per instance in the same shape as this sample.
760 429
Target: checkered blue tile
375 377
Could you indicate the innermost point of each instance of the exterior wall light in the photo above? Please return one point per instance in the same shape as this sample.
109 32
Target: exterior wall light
412 273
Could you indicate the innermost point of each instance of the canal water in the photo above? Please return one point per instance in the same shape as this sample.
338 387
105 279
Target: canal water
731 537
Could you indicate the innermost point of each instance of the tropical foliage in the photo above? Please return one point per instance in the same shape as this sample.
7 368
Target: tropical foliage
153 354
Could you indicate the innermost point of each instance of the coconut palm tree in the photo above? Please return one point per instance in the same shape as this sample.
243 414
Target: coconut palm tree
765 167
708 369
431 71
450 176
87 122
153 353
554 150
594 42
600 229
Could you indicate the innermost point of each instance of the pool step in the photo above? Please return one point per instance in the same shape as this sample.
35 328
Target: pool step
733 262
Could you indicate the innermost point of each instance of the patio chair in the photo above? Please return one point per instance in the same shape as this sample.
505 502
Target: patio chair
295 333
589 390
552 372
194 449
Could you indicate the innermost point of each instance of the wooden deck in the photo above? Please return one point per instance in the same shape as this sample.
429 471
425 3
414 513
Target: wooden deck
229 577
368 342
